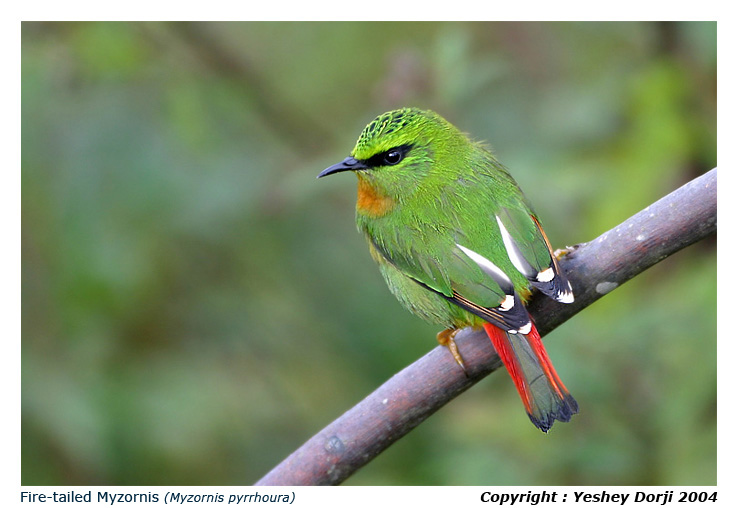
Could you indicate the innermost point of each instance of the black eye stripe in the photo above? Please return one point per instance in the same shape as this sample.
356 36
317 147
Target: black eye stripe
389 157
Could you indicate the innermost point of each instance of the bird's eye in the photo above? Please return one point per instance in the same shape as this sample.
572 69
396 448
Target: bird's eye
392 157
389 158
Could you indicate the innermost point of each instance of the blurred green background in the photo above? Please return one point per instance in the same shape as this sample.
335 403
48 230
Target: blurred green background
196 304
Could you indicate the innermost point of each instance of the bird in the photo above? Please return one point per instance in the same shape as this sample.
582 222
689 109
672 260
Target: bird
459 244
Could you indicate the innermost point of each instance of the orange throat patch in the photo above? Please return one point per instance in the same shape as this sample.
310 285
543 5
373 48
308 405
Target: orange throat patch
370 201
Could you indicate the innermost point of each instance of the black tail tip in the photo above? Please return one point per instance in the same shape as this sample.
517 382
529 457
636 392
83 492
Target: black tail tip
563 412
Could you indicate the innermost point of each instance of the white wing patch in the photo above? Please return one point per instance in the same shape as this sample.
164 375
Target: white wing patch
525 329
485 263
507 303
514 254
545 275
566 296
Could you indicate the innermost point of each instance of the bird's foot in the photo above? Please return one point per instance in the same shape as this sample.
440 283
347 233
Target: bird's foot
446 339
561 253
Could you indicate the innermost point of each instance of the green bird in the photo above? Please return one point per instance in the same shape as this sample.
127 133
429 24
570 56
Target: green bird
459 245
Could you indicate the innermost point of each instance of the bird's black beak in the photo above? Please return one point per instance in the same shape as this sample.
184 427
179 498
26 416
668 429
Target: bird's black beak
348 164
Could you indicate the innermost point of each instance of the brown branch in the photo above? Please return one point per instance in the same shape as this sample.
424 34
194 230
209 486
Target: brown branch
412 395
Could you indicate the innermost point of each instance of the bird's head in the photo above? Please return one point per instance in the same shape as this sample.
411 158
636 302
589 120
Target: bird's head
399 150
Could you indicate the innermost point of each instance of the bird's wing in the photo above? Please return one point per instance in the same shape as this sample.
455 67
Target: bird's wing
530 252
462 277
481 276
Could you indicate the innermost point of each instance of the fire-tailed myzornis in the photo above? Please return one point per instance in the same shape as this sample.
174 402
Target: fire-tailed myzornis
459 244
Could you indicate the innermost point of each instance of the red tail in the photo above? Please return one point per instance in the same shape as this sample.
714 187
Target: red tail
544 395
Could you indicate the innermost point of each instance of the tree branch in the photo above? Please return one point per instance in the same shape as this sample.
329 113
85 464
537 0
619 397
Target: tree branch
412 395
